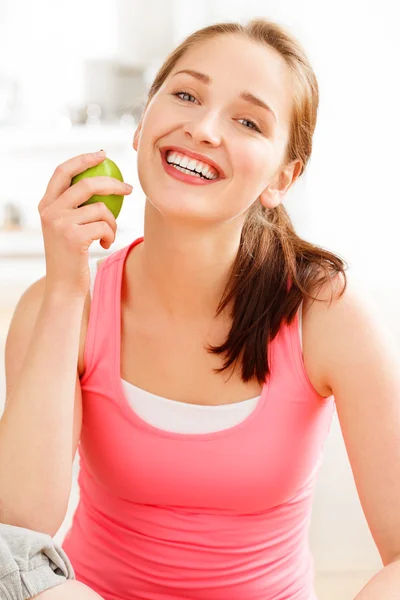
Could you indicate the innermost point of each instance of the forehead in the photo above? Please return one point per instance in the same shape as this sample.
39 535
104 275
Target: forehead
257 68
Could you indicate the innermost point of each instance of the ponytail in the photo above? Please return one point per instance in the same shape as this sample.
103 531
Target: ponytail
274 269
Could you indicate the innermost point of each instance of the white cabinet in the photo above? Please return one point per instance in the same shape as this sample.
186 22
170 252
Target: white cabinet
144 31
30 155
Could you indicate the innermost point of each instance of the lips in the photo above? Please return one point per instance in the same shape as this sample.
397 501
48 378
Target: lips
196 156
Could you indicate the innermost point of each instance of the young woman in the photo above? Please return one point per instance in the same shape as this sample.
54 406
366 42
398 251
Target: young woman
206 362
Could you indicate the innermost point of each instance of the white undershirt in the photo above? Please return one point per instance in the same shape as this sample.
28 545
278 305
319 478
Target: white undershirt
182 417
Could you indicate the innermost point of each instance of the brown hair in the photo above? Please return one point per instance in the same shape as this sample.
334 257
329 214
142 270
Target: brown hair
270 252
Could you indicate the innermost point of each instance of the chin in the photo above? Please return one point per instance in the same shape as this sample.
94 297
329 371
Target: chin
183 204
176 209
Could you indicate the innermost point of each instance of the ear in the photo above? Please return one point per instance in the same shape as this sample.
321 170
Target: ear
275 192
136 136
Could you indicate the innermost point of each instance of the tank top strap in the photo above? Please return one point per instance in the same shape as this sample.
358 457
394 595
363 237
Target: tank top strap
287 356
105 316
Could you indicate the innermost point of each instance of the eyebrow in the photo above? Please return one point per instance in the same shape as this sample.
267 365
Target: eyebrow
248 96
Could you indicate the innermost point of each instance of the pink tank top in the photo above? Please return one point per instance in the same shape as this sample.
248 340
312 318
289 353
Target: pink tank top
222 515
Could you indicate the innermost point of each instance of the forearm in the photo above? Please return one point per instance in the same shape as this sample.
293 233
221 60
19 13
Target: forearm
36 430
385 585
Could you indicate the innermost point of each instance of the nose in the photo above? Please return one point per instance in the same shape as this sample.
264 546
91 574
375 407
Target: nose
204 128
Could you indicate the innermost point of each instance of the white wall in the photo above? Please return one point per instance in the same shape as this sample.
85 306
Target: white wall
44 43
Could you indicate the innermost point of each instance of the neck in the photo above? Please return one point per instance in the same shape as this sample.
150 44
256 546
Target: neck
183 270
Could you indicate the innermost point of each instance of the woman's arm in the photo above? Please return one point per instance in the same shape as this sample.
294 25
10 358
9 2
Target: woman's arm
360 361
40 426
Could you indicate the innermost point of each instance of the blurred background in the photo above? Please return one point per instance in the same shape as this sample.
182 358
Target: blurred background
73 79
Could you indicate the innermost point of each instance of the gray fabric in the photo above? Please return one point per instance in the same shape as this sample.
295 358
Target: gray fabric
30 563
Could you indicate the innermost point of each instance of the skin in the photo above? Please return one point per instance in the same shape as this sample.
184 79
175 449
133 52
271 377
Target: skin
68 590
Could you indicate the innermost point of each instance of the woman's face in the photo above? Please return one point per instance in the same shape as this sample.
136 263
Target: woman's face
211 118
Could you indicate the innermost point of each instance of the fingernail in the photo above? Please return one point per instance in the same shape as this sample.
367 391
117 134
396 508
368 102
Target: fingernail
128 186
100 153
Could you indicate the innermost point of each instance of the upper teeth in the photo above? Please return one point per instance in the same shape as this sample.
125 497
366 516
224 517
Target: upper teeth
192 164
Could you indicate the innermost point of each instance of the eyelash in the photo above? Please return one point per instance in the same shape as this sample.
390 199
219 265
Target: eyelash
255 128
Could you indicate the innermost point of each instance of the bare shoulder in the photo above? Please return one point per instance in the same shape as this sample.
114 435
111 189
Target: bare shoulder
342 316
314 331
21 327
22 324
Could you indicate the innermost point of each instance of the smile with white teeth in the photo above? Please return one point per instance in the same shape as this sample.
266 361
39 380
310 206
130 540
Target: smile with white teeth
190 166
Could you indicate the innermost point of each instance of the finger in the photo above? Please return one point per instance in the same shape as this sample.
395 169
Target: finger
97 231
92 213
61 178
84 189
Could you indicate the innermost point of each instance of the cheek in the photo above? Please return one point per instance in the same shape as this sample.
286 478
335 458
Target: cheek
160 120
249 158
253 174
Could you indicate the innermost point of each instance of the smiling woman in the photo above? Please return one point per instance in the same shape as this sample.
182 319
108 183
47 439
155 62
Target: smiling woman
194 484
259 126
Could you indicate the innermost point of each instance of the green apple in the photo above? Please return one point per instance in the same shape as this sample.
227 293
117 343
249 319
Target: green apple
109 168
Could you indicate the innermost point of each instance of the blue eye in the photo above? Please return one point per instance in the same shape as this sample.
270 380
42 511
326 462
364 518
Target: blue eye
184 94
252 122
254 126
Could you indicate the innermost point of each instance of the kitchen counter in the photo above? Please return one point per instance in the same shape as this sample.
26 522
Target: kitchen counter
23 261
28 244
26 138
